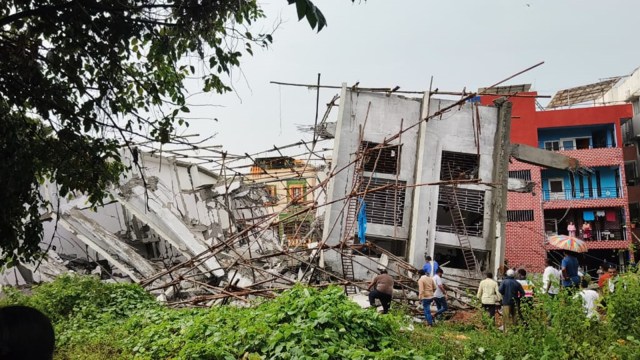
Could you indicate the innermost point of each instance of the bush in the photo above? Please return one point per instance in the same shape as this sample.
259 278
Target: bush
94 320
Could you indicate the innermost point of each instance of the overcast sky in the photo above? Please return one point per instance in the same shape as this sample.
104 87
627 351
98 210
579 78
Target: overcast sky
387 43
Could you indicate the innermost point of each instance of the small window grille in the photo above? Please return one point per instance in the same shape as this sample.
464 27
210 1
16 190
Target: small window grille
385 206
519 215
520 174
459 166
383 160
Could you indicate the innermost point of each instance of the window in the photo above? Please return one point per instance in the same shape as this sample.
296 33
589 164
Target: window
556 189
471 205
519 215
459 166
296 191
383 160
583 143
384 206
395 247
520 174
552 145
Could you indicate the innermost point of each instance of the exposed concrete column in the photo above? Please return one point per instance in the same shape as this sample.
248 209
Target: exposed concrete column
336 188
418 233
501 154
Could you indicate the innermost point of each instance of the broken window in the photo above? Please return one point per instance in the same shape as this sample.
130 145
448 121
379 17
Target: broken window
520 174
459 166
519 215
471 205
454 257
383 160
396 247
384 206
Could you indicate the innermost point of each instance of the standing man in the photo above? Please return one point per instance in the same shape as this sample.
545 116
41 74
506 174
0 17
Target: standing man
382 286
608 279
430 267
426 289
570 277
489 295
550 279
440 296
589 300
511 290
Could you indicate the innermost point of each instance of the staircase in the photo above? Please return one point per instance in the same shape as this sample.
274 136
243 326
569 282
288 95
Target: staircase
460 229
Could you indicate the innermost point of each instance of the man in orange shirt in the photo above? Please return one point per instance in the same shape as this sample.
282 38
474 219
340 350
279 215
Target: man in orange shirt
606 279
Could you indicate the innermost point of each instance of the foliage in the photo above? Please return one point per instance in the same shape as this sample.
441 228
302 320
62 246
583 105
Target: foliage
624 304
80 78
94 320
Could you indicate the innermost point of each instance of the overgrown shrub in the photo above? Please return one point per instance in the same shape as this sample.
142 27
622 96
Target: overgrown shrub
94 320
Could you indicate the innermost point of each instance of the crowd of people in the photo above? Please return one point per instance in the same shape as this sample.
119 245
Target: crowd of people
514 293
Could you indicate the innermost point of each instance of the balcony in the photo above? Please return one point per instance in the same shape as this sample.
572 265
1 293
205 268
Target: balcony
606 235
588 194
577 137
572 145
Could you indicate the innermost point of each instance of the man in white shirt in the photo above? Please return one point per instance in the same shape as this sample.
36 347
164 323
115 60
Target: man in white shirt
589 300
440 296
550 279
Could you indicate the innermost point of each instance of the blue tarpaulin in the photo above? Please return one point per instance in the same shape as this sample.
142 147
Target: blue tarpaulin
362 221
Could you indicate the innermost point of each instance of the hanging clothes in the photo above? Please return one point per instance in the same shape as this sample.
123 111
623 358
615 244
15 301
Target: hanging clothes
610 215
588 216
362 221
600 213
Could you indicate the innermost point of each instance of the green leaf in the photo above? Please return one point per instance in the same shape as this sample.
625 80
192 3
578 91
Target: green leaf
302 8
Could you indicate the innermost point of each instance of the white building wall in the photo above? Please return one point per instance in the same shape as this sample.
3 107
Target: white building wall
421 154
380 117
454 131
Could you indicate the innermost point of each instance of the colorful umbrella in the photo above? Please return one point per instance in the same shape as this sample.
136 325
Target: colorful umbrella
568 243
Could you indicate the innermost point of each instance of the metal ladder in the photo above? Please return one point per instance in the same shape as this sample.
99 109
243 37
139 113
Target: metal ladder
346 253
460 229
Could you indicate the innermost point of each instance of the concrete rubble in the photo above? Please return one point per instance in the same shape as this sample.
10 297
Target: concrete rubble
195 237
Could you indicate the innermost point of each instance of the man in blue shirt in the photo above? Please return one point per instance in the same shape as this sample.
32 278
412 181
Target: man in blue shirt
430 267
570 277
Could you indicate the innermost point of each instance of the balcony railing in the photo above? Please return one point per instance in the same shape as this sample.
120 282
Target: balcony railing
567 147
603 235
472 230
594 194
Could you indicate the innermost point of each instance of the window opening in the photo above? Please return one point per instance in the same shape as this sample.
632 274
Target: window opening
471 204
384 160
552 145
520 174
459 166
519 215
380 203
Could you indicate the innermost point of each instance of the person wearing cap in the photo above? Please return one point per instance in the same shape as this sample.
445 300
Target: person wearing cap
511 291
382 286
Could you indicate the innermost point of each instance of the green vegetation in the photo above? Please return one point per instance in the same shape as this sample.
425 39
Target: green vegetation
81 78
94 320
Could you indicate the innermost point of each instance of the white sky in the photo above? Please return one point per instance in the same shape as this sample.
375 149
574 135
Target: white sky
386 43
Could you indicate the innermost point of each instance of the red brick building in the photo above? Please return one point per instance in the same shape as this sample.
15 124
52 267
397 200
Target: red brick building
600 197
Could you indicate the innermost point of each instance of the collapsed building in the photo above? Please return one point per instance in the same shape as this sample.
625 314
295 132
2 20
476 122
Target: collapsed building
424 176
